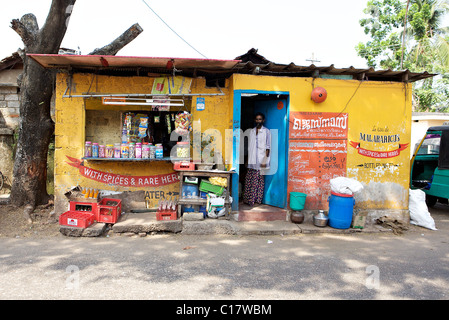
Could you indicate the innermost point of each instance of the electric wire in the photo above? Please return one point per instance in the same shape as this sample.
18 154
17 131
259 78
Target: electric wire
172 29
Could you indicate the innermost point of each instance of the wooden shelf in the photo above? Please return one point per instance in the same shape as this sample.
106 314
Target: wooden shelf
205 174
134 159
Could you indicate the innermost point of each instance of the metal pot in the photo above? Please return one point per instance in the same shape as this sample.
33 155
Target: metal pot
320 219
297 217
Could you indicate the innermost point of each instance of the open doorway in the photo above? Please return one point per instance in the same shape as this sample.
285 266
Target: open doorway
274 106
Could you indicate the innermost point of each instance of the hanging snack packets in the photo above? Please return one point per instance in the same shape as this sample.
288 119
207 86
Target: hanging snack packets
183 123
143 126
167 119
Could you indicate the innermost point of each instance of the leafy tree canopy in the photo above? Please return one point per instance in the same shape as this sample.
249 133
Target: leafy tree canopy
423 45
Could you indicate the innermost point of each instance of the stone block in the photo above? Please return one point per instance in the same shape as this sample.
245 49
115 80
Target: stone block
193 216
145 223
11 97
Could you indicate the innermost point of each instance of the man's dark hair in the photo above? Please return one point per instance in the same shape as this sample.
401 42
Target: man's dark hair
260 114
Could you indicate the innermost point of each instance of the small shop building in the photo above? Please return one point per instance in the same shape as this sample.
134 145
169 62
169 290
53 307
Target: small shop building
199 110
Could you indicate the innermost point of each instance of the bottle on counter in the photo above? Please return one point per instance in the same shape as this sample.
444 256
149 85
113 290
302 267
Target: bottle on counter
138 150
182 149
95 150
132 150
117 150
145 151
101 151
124 151
159 151
88 149
124 136
109 151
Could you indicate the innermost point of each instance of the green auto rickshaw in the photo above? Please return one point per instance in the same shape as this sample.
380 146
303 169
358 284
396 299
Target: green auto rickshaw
430 165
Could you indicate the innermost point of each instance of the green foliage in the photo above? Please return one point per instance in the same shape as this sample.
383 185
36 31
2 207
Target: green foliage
426 45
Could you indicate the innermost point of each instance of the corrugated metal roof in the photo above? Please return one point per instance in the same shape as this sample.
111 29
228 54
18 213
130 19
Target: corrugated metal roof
254 63
13 61
67 60
249 63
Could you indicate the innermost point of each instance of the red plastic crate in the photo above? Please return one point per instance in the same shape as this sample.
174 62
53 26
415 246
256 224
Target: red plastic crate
76 219
166 215
109 210
79 206
184 165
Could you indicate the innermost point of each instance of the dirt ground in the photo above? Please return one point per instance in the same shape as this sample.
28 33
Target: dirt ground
13 224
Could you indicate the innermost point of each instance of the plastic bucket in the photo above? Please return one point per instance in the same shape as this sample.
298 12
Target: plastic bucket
297 200
341 207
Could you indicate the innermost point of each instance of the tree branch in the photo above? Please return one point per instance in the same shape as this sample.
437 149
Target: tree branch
116 45
53 31
27 28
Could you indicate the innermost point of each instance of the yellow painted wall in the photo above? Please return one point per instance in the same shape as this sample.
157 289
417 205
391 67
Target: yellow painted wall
70 116
374 108
370 105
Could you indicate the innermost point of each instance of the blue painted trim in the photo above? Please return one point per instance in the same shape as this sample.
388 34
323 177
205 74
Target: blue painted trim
287 137
237 110
236 148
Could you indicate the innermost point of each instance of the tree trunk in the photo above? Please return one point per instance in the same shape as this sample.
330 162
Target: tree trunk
35 130
36 88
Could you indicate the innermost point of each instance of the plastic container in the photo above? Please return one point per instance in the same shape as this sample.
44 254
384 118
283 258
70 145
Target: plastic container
117 150
206 186
145 151
124 150
183 166
189 208
109 151
138 150
88 149
152 151
132 150
182 150
76 219
95 150
109 210
190 191
159 152
297 200
341 207
101 151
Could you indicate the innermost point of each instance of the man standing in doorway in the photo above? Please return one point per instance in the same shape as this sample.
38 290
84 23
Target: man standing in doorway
259 146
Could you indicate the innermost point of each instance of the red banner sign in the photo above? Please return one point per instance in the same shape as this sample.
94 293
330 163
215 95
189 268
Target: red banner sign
378 154
123 180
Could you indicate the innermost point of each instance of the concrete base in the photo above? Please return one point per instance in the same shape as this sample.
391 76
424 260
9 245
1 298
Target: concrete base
95 230
261 212
145 223
142 224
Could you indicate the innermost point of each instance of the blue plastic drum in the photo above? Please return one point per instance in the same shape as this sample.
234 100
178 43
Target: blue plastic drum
341 207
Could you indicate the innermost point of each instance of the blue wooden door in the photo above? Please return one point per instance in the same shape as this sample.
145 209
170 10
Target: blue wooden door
276 119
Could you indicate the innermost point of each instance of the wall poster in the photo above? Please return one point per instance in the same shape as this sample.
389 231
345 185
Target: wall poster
317 153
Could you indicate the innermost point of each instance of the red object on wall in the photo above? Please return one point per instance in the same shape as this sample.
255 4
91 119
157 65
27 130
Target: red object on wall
319 94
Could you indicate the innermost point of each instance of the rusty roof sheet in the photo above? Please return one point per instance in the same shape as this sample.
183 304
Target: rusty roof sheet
254 63
248 63
11 62
67 60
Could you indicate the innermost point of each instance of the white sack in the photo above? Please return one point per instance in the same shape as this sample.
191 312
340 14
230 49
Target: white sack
419 213
345 185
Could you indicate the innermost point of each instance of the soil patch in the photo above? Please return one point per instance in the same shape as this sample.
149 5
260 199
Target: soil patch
14 225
